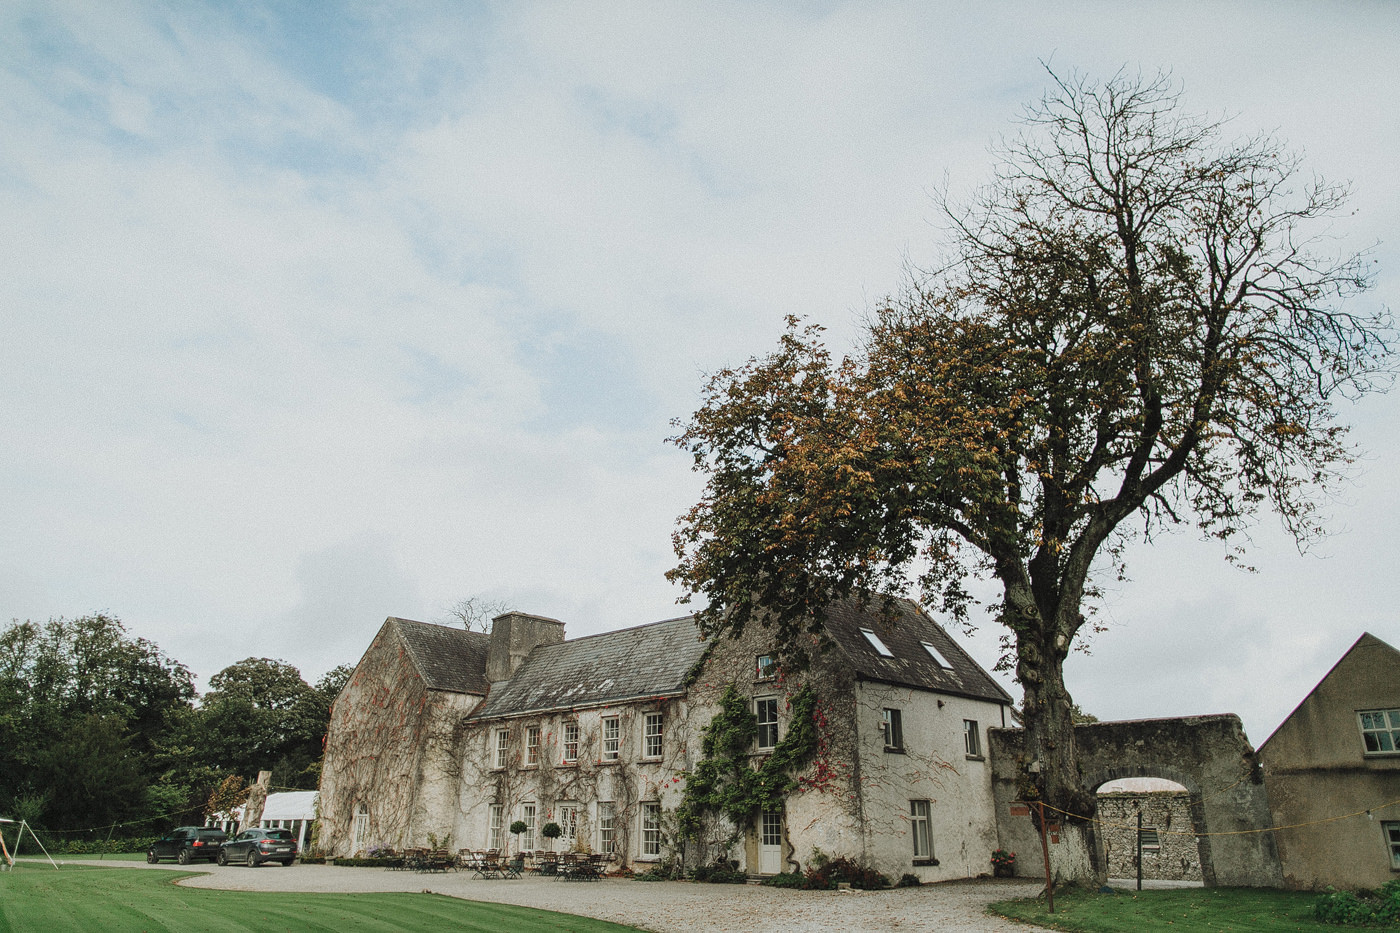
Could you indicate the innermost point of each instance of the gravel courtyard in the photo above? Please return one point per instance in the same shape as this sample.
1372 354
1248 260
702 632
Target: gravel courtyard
661 906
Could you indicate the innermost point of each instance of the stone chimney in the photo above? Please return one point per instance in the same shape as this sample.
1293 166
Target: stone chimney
513 636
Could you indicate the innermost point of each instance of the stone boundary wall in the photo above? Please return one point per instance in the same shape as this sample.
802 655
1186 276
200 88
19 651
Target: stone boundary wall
1176 856
1208 755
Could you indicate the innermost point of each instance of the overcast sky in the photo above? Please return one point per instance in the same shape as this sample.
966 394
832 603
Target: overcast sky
313 313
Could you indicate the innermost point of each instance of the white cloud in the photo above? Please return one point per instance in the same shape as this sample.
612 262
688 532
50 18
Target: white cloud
301 334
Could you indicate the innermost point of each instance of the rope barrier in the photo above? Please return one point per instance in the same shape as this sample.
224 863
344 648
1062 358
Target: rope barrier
1239 832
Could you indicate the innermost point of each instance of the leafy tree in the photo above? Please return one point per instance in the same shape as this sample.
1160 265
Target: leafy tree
80 698
260 714
1139 326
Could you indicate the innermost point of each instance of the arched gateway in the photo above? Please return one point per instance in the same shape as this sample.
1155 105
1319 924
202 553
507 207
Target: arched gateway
1208 755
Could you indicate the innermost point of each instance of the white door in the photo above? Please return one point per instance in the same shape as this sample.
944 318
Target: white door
770 843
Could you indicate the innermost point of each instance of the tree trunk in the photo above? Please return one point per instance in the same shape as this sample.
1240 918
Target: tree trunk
1051 770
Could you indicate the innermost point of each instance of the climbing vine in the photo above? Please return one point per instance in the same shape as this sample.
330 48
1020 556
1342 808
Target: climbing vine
725 781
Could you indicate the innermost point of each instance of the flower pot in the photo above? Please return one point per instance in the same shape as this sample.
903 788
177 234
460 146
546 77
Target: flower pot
1004 871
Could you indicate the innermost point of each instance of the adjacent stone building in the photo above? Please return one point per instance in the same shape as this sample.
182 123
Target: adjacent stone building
1332 770
455 734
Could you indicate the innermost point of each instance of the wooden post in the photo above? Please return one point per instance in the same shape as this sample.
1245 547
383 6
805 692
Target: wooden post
1045 851
1139 846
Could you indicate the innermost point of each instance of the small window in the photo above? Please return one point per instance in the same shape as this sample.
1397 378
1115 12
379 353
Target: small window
607 829
1149 840
936 655
766 711
651 829
765 668
876 643
893 730
1380 731
494 826
532 746
919 829
502 748
570 742
651 736
1392 840
612 737
972 739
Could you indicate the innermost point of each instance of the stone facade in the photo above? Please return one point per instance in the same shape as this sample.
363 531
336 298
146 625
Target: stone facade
1170 851
1334 791
598 735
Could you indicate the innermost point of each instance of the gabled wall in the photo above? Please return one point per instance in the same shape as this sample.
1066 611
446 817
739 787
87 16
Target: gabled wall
933 766
388 748
1316 768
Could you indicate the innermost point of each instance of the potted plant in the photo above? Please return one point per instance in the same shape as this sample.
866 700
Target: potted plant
1003 863
516 829
551 831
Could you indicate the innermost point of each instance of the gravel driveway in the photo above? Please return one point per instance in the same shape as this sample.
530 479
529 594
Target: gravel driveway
662 906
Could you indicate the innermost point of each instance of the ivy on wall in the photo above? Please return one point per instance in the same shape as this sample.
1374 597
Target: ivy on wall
726 781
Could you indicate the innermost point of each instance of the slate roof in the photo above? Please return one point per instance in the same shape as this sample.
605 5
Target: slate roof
903 626
646 661
446 658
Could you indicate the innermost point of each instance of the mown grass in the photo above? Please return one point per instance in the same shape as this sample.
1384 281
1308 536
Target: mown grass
35 897
1240 910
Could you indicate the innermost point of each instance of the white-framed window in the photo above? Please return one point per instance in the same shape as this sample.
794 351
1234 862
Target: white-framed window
570 742
936 655
651 830
765 667
361 828
651 736
876 643
527 838
607 827
766 711
612 737
501 749
494 825
892 727
532 746
919 829
568 824
972 738
1380 731
1392 840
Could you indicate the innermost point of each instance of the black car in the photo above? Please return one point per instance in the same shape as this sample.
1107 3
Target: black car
187 844
252 847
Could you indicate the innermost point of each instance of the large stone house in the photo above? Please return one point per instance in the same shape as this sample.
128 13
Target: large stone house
1332 770
445 733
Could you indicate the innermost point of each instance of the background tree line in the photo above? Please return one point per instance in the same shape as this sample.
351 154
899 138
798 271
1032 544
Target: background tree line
100 728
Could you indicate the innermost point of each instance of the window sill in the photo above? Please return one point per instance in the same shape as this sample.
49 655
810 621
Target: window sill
895 751
568 764
608 762
976 758
925 863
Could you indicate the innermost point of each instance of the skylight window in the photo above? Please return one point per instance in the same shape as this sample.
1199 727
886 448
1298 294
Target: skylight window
876 643
936 655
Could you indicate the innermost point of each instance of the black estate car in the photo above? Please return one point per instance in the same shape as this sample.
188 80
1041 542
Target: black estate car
252 847
186 844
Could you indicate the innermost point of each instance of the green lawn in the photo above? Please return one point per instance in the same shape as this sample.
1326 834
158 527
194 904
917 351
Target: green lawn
1243 910
35 897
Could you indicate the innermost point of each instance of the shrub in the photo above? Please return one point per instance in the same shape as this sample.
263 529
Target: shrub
907 880
723 871
790 879
1365 907
838 870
